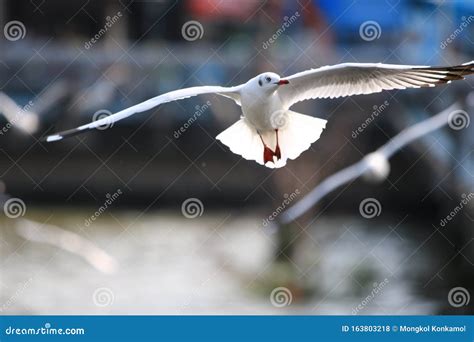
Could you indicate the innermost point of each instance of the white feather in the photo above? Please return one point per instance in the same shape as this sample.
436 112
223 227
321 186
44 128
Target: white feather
364 78
295 137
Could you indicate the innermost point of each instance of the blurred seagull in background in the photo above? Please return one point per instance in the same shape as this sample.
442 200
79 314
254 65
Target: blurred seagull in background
374 166
268 131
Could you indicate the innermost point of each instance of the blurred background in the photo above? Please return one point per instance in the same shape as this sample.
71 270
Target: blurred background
154 216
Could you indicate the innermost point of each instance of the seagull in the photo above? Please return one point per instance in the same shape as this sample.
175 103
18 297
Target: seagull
375 165
268 132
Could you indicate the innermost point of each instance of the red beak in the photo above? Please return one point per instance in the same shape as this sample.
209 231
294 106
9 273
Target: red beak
281 82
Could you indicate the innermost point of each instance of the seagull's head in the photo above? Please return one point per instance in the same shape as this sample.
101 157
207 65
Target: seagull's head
268 81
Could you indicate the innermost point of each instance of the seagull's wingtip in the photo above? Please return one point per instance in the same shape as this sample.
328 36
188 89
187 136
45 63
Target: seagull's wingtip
51 138
66 134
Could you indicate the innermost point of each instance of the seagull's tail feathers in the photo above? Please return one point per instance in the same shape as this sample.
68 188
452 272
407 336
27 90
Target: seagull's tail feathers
242 139
294 137
297 135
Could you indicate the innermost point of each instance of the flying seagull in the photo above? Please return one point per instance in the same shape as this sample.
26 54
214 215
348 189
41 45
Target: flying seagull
268 131
375 165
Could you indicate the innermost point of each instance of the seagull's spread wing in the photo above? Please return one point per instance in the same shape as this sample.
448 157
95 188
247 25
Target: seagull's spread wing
232 92
364 78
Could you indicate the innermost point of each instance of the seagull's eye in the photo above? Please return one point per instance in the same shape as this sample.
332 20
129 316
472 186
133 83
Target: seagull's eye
268 79
260 83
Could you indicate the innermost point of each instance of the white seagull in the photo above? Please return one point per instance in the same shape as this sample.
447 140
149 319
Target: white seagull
268 131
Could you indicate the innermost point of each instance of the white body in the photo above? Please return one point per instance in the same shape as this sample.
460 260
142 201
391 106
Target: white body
261 111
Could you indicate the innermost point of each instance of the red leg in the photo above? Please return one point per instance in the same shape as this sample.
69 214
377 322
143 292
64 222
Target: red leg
267 152
267 155
277 148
